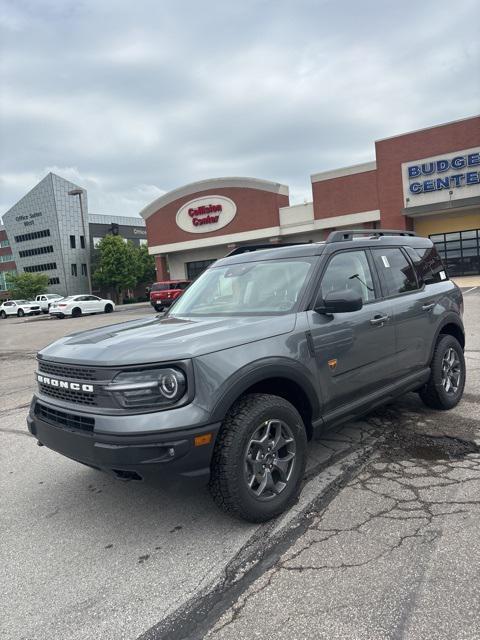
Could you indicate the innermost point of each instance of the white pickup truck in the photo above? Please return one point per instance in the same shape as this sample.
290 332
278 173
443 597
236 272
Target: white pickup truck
45 300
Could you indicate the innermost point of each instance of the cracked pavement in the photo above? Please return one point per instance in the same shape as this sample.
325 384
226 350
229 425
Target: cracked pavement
395 553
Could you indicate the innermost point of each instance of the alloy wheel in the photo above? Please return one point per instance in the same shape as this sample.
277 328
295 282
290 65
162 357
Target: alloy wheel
269 459
451 371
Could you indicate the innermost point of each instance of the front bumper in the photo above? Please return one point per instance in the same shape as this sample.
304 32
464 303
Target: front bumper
167 455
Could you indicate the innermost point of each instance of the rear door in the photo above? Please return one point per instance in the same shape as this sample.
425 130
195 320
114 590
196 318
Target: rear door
355 351
412 305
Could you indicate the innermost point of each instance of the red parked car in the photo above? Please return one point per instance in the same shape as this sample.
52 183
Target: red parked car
163 294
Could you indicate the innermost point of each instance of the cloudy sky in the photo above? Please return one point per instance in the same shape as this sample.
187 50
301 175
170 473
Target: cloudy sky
132 99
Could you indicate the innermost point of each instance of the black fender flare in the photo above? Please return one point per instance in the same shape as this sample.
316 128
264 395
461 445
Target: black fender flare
449 318
261 370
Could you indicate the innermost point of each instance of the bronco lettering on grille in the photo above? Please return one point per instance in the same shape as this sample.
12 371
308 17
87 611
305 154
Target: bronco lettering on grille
63 384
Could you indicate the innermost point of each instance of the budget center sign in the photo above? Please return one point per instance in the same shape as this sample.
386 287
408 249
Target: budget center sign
442 178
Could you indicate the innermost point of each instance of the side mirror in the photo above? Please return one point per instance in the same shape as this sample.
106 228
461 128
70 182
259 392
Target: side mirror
340 302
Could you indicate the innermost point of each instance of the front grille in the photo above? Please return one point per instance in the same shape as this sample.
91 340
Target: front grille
67 370
62 419
69 395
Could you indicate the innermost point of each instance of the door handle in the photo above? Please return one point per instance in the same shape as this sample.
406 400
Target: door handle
379 320
428 307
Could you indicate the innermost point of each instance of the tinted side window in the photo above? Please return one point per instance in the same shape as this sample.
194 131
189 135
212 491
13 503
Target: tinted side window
349 270
397 273
428 264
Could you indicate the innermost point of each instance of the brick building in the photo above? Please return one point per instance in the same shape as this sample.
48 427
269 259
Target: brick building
427 180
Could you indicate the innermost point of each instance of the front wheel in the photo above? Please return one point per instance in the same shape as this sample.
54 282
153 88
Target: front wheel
20 313
444 388
259 458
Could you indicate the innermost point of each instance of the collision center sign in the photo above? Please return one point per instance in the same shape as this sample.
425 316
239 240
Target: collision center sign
206 214
442 178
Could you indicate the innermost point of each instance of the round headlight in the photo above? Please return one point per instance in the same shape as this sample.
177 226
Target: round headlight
169 385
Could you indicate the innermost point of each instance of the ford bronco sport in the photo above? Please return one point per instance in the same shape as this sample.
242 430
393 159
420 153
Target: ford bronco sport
264 351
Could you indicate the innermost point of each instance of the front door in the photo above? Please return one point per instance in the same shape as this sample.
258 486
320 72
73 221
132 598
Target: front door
355 351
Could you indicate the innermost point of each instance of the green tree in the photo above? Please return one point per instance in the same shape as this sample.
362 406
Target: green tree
146 266
116 265
25 286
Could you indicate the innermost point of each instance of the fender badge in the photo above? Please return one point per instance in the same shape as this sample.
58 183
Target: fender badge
332 364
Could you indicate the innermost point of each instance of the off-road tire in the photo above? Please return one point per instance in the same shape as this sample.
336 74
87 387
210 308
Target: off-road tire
433 393
227 481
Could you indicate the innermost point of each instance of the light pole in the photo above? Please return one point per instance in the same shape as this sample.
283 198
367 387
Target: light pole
78 192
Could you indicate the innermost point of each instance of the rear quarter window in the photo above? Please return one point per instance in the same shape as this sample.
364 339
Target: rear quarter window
428 264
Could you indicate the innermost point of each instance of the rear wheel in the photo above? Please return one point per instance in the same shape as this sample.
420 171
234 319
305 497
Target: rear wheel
259 458
20 313
3 315
108 308
444 388
77 312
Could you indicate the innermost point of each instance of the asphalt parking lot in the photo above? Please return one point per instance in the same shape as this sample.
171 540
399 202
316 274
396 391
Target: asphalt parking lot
364 554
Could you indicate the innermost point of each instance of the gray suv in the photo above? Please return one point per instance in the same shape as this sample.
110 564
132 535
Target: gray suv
264 351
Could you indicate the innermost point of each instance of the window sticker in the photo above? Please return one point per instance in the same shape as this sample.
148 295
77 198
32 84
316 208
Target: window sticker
442 275
385 261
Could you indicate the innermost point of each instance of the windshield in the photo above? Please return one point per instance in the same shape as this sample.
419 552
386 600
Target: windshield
268 287
22 301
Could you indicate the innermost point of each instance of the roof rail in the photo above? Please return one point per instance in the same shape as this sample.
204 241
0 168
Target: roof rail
348 234
246 248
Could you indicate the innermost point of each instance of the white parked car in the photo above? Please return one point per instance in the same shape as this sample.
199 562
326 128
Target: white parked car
76 306
19 308
46 299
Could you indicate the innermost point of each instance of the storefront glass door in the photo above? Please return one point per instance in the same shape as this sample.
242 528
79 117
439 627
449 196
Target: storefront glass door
460 251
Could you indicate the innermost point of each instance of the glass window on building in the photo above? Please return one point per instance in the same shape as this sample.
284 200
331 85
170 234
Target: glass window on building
96 242
84 269
74 269
4 243
460 251
194 269
142 242
82 242
72 242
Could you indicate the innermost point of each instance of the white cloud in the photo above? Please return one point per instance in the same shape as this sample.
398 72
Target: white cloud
131 100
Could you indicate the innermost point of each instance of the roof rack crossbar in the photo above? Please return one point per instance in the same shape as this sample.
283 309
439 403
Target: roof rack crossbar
246 248
348 234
